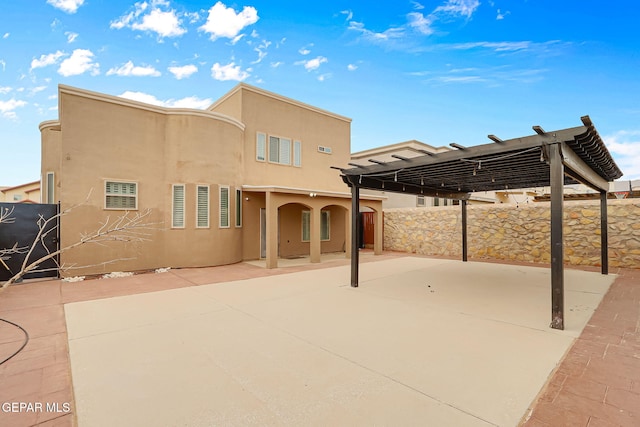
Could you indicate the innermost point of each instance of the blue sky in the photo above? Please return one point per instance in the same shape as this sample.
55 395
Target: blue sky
438 71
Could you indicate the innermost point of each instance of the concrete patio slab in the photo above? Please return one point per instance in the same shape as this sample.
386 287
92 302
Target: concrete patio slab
421 341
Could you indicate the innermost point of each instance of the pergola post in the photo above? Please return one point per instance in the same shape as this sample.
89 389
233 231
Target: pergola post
604 234
355 231
463 203
557 250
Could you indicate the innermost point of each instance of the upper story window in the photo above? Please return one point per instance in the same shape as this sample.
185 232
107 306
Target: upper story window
297 153
121 195
278 150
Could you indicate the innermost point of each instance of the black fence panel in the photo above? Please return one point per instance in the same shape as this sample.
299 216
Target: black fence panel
21 231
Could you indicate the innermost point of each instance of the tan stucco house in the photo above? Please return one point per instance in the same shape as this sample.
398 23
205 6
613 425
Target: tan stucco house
248 178
23 193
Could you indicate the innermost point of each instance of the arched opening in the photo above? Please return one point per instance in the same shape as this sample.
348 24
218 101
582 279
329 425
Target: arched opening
294 234
333 229
369 220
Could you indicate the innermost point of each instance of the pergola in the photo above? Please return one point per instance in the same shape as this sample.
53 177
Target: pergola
554 158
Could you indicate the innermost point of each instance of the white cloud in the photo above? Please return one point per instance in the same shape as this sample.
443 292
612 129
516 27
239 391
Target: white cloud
6 35
313 64
230 71
349 14
151 17
496 46
36 89
184 71
166 24
191 102
305 50
421 23
4 64
45 60
223 21
624 147
71 37
276 64
7 107
417 21
188 102
5 89
501 15
352 67
388 34
464 8
262 51
129 69
323 77
69 6
80 61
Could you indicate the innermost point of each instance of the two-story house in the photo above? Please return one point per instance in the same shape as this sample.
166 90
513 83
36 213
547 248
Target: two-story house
248 178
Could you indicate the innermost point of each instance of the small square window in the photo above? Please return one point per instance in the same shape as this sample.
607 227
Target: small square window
121 195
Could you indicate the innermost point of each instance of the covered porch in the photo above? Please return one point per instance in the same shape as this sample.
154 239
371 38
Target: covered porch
299 223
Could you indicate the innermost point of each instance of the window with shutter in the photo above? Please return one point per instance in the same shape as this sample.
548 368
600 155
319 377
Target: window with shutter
325 225
202 206
261 147
297 153
224 207
121 195
274 149
285 151
306 226
238 208
177 212
50 188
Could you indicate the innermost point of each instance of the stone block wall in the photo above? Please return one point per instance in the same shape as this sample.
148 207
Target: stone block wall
519 233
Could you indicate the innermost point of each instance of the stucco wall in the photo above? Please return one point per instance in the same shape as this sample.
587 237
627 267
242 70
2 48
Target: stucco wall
518 233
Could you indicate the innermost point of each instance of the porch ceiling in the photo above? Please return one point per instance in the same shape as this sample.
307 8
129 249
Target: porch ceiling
510 164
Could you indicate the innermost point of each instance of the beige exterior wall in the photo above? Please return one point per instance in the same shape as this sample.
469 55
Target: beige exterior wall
101 138
282 117
29 192
520 234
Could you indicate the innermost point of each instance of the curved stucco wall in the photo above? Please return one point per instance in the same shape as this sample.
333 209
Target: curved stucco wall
518 233
106 139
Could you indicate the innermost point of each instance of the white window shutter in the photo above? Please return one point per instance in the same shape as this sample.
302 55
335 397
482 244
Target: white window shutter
306 226
178 206
202 206
285 151
274 149
261 147
297 153
224 207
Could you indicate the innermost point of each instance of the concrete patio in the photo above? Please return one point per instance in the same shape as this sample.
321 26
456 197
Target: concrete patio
422 341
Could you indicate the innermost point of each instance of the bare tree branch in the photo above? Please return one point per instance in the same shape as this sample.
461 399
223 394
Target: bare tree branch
5 216
128 227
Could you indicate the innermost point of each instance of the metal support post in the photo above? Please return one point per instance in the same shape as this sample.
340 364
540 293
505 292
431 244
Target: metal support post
355 213
463 203
604 234
557 250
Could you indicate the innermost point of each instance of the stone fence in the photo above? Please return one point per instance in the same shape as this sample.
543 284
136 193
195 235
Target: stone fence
521 233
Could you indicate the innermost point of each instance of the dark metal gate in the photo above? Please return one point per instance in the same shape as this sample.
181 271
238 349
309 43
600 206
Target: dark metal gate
21 230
